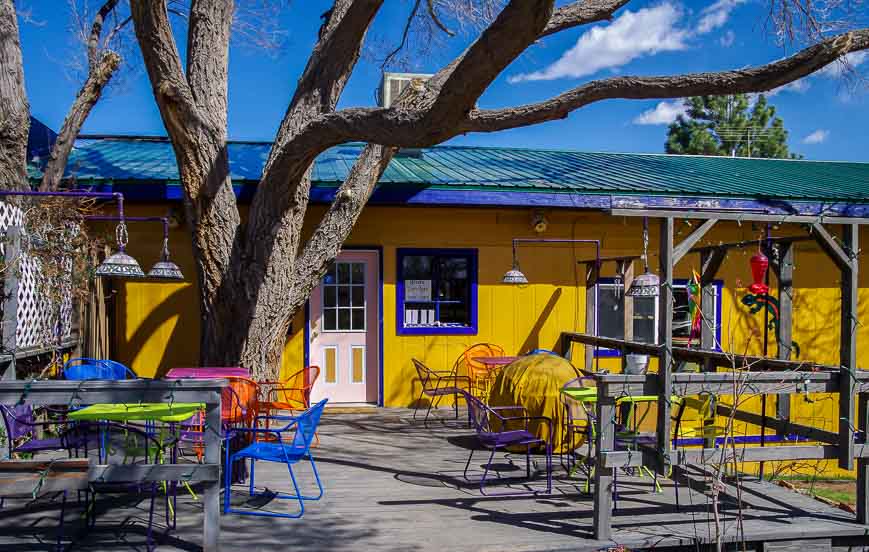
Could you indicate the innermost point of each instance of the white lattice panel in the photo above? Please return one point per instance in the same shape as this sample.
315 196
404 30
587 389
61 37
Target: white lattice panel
36 325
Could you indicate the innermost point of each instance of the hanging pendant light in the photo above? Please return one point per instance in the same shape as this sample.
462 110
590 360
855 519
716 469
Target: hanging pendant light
514 276
164 269
120 264
646 284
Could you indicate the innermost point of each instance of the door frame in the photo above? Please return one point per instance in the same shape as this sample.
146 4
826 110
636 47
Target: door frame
374 249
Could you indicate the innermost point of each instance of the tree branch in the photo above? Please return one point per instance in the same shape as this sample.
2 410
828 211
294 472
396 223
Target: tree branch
582 12
335 226
93 44
460 84
210 22
163 63
90 92
757 79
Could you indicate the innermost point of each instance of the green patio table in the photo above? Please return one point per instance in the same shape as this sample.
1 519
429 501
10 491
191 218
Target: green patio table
121 412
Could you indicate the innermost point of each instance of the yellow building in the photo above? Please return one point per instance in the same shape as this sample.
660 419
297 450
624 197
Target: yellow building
421 275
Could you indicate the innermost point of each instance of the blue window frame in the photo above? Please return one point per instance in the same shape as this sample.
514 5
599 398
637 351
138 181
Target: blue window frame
436 291
610 314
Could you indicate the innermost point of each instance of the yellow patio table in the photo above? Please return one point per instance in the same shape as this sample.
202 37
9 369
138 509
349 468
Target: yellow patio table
125 412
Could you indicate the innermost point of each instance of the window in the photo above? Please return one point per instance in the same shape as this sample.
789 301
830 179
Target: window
611 314
344 297
437 291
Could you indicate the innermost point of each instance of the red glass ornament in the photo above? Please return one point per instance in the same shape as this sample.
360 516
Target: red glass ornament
759 265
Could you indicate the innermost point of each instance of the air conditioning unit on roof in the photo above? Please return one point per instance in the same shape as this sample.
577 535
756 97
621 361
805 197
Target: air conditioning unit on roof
393 84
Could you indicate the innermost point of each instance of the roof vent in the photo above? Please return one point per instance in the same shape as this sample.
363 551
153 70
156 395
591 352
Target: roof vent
393 84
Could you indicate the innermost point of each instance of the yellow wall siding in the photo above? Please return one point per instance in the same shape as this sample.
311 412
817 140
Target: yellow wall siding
158 324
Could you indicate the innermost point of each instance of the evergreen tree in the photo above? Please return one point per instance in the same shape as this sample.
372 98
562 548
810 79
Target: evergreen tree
729 125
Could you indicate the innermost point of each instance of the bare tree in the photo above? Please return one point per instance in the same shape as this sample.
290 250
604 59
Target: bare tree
103 60
254 275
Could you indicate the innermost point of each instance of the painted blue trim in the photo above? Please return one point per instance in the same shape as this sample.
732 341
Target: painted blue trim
719 290
420 194
472 255
768 206
307 355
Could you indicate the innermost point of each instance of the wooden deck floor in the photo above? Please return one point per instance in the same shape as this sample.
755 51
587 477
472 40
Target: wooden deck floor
393 486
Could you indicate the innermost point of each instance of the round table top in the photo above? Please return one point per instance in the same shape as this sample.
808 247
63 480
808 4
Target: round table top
496 360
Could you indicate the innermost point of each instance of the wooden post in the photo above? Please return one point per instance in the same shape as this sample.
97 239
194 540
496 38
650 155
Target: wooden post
848 347
665 341
211 495
785 277
603 476
863 464
10 300
628 275
592 273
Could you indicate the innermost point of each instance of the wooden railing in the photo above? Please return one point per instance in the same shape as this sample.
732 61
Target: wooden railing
765 376
73 393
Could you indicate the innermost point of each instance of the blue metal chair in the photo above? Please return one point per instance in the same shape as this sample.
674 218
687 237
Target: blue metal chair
93 369
300 434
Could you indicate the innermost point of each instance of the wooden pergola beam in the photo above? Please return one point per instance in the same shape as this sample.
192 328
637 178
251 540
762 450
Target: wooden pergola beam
691 240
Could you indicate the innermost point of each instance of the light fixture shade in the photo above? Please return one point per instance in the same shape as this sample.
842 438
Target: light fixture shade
645 285
120 265
514 276
165 270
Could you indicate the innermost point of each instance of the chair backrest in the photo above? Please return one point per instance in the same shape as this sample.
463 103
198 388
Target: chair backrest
306 425
424 373
18 421
239 400
297 387
481 416
575 409
480 350
96 369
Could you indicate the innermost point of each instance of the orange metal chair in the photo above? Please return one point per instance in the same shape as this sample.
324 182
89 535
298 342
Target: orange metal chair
480 375
293 393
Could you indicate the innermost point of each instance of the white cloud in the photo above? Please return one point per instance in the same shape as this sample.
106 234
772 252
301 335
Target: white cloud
662 114
836 69
716 15
632 35
818 137
798 86
727 39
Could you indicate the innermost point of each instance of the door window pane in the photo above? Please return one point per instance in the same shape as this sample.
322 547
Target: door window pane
358 296
358 319
329 319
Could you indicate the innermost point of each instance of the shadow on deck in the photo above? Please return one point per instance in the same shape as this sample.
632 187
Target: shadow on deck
395 485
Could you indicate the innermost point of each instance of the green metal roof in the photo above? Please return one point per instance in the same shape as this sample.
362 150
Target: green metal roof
484 169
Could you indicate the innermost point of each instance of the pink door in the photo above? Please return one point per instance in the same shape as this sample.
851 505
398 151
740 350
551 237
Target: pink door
344 330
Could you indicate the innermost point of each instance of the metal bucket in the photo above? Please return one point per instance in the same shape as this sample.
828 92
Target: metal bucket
636 364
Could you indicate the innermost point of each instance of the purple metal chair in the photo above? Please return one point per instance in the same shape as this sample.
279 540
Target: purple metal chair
495 430
21 437
438 383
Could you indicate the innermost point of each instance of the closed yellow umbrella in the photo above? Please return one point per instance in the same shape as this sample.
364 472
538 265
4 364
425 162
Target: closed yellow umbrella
535 382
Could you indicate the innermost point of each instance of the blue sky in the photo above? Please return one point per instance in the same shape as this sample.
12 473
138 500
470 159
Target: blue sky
826 117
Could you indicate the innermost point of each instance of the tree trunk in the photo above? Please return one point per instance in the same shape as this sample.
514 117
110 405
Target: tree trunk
14 110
